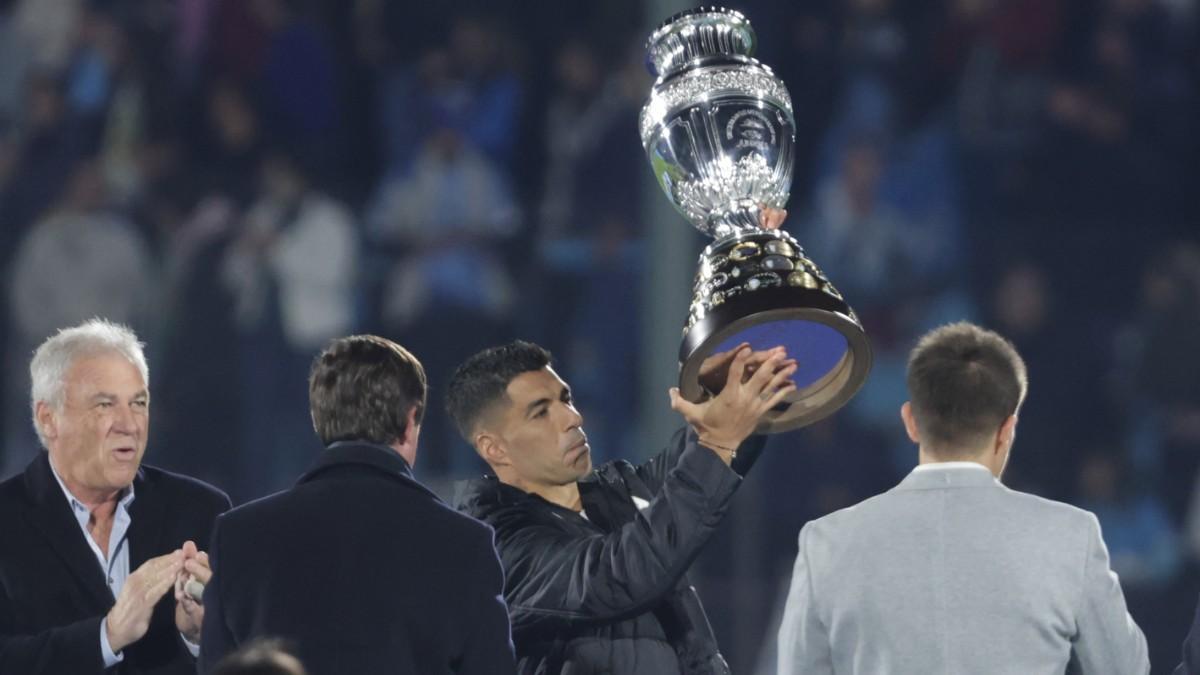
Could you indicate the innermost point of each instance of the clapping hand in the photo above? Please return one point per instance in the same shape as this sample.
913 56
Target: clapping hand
189 611
129 618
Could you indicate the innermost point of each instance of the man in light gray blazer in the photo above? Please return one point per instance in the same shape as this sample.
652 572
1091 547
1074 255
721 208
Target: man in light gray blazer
950 572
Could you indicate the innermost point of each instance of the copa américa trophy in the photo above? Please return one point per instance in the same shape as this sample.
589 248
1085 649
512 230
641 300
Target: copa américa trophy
719 132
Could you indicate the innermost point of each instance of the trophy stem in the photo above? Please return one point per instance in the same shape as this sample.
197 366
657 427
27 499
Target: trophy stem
742 219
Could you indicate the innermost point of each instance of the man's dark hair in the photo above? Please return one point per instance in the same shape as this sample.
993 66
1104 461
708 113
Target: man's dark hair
483 379
964 381
362 387
260 657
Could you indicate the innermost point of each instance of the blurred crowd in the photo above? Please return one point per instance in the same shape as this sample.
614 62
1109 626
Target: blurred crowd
242 180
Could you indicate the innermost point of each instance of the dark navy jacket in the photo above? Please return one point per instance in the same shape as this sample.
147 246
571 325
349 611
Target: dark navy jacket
363 570
1191 649
53 594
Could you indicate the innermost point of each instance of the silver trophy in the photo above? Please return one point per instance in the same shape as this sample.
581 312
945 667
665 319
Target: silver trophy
720 135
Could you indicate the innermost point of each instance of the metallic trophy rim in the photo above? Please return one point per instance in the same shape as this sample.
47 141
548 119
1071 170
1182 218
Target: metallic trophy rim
842 382
673 23
702 9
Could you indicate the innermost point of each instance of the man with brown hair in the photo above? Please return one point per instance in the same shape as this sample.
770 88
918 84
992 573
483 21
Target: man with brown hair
950 571
359 565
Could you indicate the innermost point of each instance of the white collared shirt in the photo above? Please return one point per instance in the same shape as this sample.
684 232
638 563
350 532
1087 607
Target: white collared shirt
116 565
950 465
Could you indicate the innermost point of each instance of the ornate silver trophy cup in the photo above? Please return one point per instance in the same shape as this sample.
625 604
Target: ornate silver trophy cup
719 132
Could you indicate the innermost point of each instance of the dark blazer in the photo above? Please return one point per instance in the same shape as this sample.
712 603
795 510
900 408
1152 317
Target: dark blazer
1191 649
53 594
363 570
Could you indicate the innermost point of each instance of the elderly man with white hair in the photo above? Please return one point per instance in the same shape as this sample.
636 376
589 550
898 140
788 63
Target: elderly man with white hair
94 542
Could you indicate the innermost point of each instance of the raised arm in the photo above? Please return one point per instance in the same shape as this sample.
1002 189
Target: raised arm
556 576
722 368
653 472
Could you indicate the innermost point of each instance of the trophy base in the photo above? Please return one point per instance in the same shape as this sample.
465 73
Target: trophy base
817 330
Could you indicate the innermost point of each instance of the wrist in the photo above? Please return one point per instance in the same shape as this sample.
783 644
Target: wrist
725 448
192 636
115 643
188 624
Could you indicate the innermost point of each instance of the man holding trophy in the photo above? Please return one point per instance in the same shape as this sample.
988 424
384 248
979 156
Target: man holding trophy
596 558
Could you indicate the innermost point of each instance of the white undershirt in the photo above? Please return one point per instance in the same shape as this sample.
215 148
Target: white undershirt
951 465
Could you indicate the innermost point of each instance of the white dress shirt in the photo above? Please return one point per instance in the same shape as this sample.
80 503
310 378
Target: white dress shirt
116 564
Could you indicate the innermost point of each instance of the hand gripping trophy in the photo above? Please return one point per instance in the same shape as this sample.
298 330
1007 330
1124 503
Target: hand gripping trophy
720 135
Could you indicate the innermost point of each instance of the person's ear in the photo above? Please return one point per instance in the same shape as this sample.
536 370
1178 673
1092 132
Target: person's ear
412 428
910 423
491 449
46 419
1006 433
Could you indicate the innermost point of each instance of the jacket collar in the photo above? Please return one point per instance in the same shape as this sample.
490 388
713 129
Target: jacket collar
477 496
486 491
371 456
51 517
44 489
935 477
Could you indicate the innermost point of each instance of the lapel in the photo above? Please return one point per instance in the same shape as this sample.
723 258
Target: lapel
51 518
148 516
